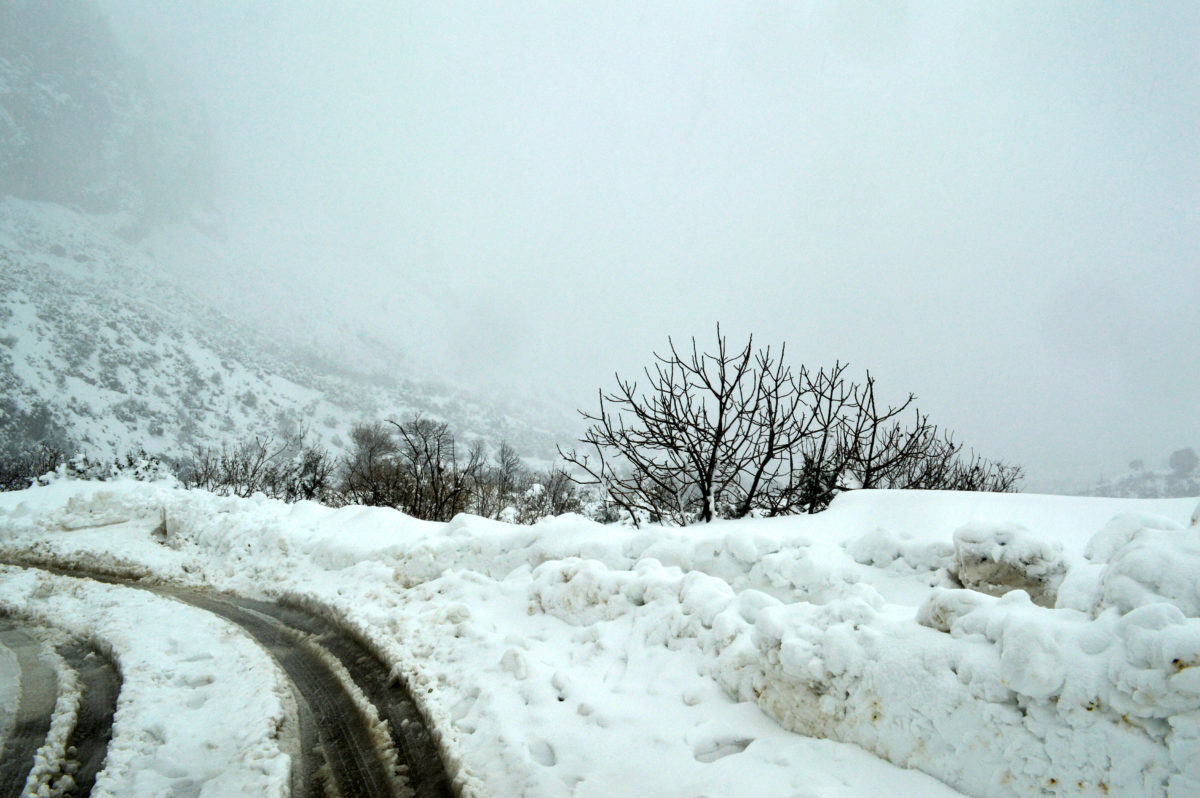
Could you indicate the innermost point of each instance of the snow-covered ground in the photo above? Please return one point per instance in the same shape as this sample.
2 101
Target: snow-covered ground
570 658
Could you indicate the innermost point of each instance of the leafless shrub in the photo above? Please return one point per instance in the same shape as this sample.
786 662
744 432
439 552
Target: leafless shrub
286 469
550 493
20 471
737 432
498 483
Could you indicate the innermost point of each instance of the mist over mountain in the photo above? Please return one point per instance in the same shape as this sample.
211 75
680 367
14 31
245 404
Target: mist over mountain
84 125
127 321
103 351
990 207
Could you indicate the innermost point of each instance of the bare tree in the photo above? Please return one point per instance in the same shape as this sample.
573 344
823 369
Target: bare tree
370 474
497 482
737 432
811 471
437 484
313 479
705 438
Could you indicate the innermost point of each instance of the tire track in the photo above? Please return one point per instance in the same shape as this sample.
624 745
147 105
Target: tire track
341 755
87 743
354 767
410 736
39 690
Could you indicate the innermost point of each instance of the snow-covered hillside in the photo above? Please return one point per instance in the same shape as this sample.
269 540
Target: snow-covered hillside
571 658
99 347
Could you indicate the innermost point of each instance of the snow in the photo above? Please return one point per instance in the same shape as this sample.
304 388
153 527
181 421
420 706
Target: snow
571 658
45 777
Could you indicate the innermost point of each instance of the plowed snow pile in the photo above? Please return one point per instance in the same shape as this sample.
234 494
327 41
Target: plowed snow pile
1003 644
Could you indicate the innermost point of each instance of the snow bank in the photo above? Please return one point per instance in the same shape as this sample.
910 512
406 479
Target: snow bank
572 658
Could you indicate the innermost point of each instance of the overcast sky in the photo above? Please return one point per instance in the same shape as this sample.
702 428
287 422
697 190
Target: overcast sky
995 206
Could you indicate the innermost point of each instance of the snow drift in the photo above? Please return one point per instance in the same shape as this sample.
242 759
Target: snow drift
574 658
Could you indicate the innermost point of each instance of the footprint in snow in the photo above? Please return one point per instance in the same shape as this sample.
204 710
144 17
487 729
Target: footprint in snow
711 750
542 753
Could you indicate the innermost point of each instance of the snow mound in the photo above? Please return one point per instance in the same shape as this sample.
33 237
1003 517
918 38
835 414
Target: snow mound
997 559
1154 565
684 661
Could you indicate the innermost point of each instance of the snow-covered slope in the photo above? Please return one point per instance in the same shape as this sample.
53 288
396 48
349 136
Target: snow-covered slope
99 347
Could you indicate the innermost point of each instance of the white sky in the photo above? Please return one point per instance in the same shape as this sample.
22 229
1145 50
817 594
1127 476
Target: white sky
995 206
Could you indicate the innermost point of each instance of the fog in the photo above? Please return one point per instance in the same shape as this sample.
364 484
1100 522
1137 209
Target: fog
994 206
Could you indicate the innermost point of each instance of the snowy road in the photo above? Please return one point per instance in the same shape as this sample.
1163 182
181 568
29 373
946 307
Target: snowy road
25 732
60 717
359 733
345 694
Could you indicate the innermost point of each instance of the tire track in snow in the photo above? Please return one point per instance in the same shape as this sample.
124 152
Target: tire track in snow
87 743
416 750
343 755
39 690
353 762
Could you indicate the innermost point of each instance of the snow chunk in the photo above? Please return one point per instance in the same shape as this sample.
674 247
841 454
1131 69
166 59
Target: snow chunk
944 607
1120 530
996 559
1154 565
882 547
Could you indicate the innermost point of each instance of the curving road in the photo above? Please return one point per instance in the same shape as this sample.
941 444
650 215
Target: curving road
338 685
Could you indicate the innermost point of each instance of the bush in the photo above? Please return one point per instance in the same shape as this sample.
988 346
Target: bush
731 433
20 471
46 462
549 494
290 471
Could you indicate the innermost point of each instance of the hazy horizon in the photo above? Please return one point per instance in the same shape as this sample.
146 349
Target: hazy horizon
996 207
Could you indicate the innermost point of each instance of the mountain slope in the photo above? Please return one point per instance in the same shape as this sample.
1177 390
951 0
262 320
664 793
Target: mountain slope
99 349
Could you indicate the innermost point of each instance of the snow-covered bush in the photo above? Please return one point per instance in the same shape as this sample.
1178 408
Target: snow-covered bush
550 494
134 465
289 470
19 471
